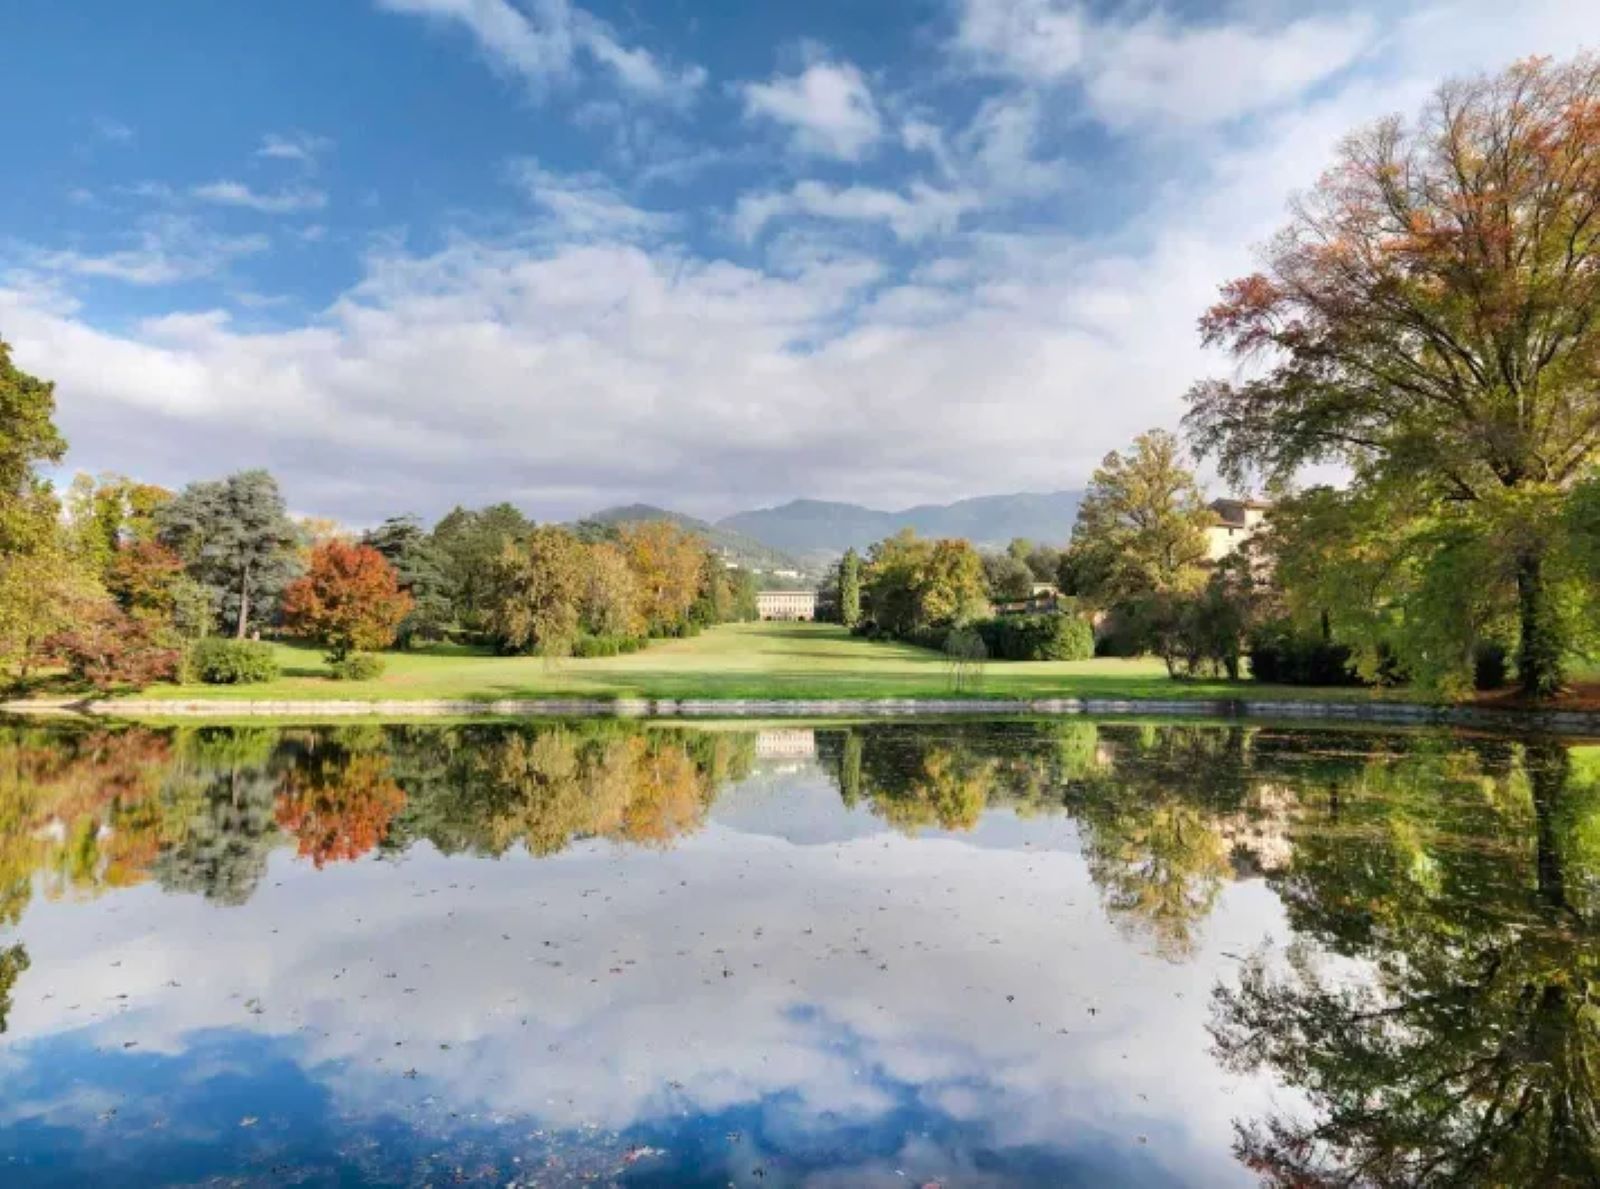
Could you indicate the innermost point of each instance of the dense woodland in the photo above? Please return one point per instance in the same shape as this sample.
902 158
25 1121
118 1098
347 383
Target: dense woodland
1427 322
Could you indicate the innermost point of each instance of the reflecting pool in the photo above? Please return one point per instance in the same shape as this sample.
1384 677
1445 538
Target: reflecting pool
907 953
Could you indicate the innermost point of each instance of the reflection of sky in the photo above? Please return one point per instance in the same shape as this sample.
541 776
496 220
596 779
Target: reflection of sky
850 1003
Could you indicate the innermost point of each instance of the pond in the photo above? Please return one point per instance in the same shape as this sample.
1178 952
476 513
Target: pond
904 953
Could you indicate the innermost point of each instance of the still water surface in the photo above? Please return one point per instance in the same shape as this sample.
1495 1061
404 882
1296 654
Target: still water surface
893 954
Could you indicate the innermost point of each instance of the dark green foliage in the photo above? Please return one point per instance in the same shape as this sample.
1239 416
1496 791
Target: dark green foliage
356 666
471 544
220 661
1491 665
236 540
27 436
1284 656
1055 636
1008 578
850 588
419 565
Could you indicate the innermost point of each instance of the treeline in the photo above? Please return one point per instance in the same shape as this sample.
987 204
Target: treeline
945 593
126 583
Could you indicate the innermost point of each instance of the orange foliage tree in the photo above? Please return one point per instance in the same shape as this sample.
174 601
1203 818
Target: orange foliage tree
349 600
339 808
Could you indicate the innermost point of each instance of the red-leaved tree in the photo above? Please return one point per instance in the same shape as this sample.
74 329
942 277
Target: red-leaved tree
349 600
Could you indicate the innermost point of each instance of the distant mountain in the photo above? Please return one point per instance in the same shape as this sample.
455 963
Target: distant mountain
814 528
738 548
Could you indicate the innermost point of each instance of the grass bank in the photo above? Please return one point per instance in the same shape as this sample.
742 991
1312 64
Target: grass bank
749 661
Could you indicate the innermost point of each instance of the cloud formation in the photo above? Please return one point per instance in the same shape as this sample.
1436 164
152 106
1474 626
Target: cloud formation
828 107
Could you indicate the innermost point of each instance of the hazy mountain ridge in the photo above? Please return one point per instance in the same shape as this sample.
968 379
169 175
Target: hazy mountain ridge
809 528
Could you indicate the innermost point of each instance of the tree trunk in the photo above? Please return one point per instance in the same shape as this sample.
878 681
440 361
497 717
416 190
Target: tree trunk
1539 649
244 605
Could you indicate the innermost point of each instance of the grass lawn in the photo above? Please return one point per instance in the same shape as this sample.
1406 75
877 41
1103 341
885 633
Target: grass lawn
765 660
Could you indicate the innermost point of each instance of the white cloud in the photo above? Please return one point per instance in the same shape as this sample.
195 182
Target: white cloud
585 205
540 40
166 249
282 202
300 147
921 211
1156 69
828 106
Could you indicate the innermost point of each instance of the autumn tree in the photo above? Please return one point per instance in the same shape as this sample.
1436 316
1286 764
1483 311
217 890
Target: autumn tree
28 437
1141 526
1428 318
666 561
349 600
915 587
610 593
236 539
540 586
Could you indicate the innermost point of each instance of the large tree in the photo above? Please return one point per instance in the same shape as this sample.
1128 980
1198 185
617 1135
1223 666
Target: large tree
472 542
540 592
236 539
419 565
28 436
850 588
1428 318
1141 526
349 600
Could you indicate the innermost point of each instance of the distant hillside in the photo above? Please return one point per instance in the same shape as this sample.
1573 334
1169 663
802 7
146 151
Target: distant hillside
811 528
738 548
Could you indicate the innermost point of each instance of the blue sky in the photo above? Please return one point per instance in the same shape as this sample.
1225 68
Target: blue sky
413 253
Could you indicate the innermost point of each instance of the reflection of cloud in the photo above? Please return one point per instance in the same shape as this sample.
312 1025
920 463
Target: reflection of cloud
833 985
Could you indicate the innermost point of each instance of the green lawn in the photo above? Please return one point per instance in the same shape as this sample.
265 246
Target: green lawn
768 660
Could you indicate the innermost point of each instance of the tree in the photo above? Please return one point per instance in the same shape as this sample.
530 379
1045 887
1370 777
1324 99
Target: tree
540 587
348 601
42 592
850 588
419 565
915 587
1007 577
666 561
106 647
236 540
1428 318
1141 526
610 593
472 543
28 436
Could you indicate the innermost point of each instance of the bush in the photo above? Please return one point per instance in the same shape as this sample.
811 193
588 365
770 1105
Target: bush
1285 656
356 666
107 647
217 660
593 646
1491 667
1048 637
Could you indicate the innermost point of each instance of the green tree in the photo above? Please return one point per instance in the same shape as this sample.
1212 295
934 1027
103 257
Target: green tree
914 587
472 543
850 588
1428 317
1141 526
1008 577
28 437
419 565
236 540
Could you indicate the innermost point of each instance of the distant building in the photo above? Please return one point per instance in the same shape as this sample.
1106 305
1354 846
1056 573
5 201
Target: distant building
1236 521
786 604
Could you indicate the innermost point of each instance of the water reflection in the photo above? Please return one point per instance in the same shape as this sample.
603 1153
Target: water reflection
966 953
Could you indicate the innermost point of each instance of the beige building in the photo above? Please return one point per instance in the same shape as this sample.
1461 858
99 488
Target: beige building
1236 522
786 604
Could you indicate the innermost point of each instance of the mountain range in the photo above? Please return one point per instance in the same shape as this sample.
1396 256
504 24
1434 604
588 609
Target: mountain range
815 528
805 534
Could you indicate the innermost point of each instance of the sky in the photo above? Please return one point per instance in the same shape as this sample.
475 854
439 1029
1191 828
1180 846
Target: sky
410 254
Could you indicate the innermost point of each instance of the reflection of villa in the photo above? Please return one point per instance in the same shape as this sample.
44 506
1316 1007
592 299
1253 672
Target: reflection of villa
787 604
786 744
1236 522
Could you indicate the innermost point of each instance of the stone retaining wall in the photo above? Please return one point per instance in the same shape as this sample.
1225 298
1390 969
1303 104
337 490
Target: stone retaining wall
1392 713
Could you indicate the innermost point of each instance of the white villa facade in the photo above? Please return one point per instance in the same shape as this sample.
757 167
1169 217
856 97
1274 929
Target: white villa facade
787 604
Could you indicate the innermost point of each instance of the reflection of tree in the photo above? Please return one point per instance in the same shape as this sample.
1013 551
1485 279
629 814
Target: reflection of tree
337 800
1463 1044
13 961
547 785
222 852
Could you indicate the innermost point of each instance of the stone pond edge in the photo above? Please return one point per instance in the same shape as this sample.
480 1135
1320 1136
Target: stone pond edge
1391 713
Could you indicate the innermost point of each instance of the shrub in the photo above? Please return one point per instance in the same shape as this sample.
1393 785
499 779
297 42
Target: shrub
609 645
1491 667
356 666
220 661
1283 655
1049 637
